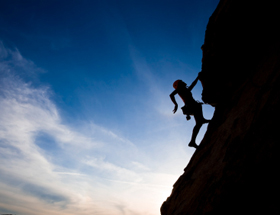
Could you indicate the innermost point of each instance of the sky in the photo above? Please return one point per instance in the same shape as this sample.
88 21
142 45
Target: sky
86 122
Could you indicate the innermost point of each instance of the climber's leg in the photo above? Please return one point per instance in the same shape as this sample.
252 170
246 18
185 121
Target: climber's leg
194 134
199 115
200 120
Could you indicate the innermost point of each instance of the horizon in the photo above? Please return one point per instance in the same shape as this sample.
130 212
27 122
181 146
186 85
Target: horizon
86 119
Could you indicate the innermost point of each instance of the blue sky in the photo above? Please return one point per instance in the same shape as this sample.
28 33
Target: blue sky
86 122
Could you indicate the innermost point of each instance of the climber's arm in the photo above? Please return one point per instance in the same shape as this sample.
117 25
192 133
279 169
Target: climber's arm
172 97
193 84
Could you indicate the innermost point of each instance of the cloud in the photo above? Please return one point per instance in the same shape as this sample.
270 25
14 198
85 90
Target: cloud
13 63
49 167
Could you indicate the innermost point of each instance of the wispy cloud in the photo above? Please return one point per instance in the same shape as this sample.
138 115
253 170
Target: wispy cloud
49 167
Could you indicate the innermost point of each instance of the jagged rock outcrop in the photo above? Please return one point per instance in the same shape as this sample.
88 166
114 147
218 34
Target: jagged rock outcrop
235 170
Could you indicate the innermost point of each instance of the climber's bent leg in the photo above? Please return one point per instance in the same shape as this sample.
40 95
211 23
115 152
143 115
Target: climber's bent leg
199 118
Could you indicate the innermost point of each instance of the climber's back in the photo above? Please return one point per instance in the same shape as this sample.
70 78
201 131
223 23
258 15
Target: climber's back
184 92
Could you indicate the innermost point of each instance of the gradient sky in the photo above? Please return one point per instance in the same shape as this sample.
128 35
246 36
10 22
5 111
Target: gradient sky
86 122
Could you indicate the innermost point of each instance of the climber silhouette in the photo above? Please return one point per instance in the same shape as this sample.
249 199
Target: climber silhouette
191 107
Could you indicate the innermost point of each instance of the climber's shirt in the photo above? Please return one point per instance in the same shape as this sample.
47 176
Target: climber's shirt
191 106
186 96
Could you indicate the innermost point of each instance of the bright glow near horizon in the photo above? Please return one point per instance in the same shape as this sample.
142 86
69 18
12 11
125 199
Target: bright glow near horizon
86 123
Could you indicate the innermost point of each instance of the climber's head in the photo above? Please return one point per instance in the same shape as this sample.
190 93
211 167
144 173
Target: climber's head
179 83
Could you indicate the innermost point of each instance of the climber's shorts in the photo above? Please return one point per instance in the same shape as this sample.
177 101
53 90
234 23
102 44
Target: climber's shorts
191 109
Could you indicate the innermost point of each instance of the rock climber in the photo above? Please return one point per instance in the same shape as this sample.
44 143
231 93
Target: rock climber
191 107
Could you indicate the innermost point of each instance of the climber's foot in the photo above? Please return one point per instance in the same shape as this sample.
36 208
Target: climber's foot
193 144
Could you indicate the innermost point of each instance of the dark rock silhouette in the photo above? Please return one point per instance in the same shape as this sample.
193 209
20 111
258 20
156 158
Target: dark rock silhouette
235 169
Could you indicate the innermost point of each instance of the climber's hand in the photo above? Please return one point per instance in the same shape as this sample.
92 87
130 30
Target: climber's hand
175 108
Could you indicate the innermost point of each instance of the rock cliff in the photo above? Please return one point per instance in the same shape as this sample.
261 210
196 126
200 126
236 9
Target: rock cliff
235 169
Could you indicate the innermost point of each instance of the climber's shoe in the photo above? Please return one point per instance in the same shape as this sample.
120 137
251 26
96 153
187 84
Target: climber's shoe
193 144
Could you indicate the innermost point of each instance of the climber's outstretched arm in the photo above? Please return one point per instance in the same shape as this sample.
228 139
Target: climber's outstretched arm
193 84
172 97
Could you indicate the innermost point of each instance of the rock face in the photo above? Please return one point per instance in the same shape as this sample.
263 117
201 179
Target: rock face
235 170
